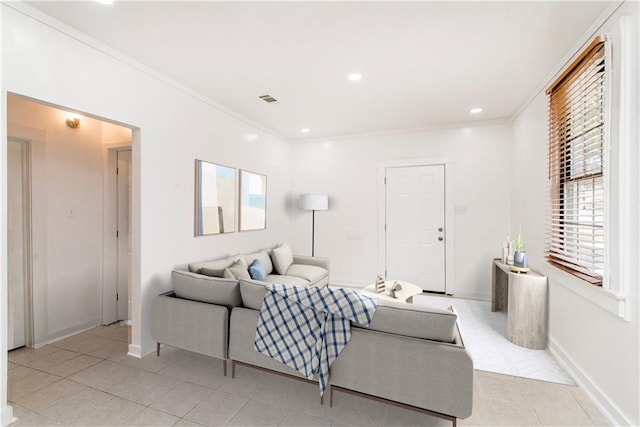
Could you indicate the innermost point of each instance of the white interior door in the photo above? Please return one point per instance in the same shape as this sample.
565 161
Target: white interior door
124 234
415 225
16 242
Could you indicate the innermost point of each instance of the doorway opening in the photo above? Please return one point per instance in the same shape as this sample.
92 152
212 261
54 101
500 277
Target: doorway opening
64 210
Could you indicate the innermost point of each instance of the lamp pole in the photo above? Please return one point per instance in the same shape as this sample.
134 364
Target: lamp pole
313 203
313 232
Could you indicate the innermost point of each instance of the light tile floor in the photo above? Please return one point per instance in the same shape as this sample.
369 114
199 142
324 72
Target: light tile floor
88 380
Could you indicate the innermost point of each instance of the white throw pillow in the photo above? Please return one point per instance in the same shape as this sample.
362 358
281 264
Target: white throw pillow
282 258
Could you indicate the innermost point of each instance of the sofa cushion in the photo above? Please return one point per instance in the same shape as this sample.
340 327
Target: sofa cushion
252 293
257 271
412 320
286 280
310 273
237 270
215 267
213 290
264 258
282 258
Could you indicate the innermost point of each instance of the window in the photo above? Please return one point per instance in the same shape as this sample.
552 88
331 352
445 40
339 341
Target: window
577 117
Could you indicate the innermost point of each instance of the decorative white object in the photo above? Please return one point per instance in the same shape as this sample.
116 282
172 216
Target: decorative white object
406 294
314 202
505 252
379 284
395 289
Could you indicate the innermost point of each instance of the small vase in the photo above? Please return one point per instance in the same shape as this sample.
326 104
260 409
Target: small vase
520 259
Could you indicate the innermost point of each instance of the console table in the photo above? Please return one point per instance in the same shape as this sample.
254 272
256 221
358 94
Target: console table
524 297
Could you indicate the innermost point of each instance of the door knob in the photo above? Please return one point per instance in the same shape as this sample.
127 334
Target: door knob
441 238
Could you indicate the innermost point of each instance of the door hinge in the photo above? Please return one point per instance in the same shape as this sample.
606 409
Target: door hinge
385 180
117 234
117 171
117 297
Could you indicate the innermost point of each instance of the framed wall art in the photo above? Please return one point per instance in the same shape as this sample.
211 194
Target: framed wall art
253 201
215 198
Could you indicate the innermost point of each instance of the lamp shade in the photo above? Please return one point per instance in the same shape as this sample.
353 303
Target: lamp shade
314 202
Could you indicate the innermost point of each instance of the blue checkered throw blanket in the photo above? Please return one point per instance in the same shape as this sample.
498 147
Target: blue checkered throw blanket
306 328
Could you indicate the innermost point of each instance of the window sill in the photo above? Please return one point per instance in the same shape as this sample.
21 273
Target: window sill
606 299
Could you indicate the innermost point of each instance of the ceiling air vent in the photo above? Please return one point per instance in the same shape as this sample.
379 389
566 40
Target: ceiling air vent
268 98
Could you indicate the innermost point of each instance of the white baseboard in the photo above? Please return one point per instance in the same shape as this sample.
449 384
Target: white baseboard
606 406
480 296
135 351
349 283
6 415
59 335
140 352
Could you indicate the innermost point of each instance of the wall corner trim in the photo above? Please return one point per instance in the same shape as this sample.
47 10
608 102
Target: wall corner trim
135 351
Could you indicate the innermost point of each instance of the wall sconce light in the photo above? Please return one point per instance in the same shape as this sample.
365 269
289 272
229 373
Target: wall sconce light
73 122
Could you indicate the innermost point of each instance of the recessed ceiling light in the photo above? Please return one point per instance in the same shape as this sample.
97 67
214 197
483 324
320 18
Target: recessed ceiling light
476 110
106 2
304 130
354 77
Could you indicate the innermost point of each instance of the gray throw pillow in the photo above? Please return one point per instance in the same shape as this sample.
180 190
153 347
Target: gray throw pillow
214 268
252 293
238 270
264 258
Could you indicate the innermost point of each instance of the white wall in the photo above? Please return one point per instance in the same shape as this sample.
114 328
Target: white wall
68 196
586 333
346 170
175 127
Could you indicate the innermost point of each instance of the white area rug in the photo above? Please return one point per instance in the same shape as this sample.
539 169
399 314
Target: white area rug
485 336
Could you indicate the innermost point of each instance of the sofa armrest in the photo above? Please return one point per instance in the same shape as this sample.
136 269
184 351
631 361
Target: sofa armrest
427 374
190 325
413 320
311 260
198 287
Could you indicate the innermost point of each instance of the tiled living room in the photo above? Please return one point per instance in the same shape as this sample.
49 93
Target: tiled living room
462 176
88 380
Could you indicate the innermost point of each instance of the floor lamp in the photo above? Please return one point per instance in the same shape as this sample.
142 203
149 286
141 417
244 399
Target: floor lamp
313 203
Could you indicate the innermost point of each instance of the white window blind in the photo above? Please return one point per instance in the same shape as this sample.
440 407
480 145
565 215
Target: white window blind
577 115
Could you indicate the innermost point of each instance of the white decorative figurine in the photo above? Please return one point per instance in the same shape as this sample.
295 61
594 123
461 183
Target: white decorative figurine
379 284
396 288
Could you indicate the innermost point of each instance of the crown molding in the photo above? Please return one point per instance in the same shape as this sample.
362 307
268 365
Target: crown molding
422 129
75 34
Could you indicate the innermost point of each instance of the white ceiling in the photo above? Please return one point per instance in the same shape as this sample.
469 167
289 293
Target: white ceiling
424 64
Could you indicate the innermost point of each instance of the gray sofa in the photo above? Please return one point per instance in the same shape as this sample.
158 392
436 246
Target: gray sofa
281 266
409 355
